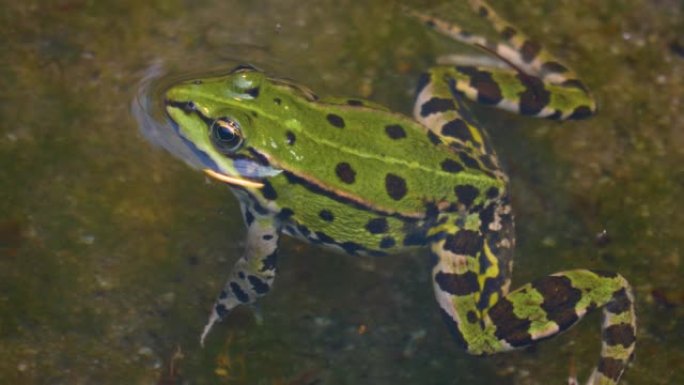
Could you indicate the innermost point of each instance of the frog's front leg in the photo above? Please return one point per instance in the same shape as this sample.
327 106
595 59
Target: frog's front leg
253 274
471 286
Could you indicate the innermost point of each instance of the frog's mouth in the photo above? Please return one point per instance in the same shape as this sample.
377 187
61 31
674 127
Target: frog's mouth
231 179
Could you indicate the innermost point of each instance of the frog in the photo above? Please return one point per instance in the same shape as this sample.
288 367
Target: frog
351 175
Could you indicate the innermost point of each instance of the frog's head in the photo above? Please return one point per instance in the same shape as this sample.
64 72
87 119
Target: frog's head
218 118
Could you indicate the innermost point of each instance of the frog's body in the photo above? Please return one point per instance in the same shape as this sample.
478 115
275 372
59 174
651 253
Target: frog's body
351 175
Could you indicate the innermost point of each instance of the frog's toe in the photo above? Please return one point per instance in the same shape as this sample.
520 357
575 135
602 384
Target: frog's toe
218 312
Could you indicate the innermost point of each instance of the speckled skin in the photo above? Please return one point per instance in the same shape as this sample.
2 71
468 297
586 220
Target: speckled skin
350 175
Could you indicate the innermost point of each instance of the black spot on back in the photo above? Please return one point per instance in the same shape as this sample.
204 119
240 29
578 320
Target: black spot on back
395 131
492 192
395 186
335 120
377 226
345 172
466 194
387 242
277 101
450 165
326 215
354 102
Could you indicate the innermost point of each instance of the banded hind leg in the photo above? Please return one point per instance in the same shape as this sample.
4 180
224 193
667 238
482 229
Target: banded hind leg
253 274
449 121
470 280
526 79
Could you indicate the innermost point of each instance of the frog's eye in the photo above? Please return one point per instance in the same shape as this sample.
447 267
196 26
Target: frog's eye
226 135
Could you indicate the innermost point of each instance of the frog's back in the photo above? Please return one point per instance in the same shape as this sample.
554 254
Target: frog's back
379 159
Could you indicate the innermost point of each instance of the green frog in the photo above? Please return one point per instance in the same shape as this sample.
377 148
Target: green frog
351 175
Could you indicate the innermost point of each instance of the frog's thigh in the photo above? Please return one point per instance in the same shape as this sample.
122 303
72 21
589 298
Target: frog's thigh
445 114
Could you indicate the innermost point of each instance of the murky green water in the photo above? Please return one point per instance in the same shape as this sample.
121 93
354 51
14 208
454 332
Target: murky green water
111 253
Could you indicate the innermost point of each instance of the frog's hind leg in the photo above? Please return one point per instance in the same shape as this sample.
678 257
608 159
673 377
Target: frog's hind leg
449 121
528 80
470 279
253 274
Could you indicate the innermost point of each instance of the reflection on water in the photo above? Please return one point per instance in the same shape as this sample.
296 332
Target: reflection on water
147 108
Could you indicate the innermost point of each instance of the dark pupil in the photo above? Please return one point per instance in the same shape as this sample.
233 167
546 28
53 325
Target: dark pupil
226 134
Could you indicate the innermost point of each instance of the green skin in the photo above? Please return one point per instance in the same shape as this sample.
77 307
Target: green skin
350 175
